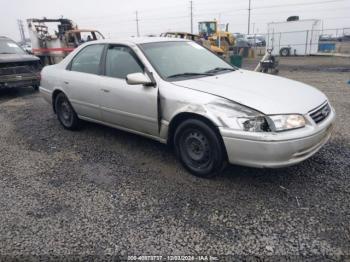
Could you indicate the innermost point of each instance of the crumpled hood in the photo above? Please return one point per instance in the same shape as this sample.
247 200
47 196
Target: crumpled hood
263 92
9 58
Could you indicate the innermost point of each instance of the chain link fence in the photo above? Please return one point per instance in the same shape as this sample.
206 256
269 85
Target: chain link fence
305 42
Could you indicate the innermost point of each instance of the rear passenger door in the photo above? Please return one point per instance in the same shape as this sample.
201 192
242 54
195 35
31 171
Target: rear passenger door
129 106
82 81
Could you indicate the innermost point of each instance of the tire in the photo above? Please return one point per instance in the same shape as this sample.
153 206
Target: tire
65 113
199 148
285 52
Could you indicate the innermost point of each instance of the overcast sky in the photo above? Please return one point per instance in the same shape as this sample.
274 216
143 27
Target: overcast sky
117 18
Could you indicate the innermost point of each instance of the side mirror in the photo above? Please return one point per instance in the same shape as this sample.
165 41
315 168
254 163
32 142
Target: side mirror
138 79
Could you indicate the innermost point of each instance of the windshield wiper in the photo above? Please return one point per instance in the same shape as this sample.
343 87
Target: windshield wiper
190 74
220 69
6 53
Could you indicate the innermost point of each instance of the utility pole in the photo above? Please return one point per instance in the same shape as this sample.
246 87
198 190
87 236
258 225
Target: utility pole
218 30
21 30
137 25
249 17
191 7
322 27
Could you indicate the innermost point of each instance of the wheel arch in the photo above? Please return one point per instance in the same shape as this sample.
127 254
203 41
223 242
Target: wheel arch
180 117
54 95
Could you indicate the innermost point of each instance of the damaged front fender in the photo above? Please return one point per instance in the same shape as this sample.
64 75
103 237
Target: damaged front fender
179 103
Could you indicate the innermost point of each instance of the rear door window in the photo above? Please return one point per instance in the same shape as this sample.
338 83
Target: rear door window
88 60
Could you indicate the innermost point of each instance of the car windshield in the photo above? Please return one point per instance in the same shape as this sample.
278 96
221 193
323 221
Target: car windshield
178 60
10 47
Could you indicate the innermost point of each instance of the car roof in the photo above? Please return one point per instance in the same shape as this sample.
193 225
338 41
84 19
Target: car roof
180 33
4 37
140 40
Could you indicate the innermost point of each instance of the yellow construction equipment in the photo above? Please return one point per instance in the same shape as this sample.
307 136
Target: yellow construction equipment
220 41
195 38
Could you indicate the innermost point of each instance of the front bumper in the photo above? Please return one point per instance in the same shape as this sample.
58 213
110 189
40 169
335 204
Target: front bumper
277 149
12 81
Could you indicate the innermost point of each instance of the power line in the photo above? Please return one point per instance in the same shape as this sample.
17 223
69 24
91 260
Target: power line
162 27
302 11
192 17
260 13
273 6
212 12
299 4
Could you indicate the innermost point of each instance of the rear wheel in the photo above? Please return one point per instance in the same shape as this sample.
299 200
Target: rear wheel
285 52
65 112
199 148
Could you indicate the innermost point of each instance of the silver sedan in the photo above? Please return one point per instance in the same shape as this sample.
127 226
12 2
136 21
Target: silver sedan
178 92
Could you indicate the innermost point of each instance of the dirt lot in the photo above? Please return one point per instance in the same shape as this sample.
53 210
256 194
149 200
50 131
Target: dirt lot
102 191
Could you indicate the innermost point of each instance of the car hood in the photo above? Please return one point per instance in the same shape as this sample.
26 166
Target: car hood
263 92
9 58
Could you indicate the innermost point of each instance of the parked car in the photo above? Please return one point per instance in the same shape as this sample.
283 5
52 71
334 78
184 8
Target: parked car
238 35
256 40
183 35
178 92
17 68
27 47
241 42
326 38
330 38
346 35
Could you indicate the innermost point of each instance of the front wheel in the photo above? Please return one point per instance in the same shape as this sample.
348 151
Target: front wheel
65 112
199 148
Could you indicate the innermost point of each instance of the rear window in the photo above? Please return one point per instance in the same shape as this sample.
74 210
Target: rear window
88 60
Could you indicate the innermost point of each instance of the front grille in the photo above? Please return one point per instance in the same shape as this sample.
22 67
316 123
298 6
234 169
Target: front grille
16 70
321 113
19 68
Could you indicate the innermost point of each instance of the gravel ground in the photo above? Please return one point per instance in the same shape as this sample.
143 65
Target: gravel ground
102 191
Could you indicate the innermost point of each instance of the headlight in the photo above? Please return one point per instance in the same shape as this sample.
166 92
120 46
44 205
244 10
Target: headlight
238 117
286 122
254 124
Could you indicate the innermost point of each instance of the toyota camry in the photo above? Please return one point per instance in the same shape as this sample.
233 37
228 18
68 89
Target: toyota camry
180 93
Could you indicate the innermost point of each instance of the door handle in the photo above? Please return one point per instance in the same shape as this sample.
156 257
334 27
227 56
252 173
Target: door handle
105 90
66 82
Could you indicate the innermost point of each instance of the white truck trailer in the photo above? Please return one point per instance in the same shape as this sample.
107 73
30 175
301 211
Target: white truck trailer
298 37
